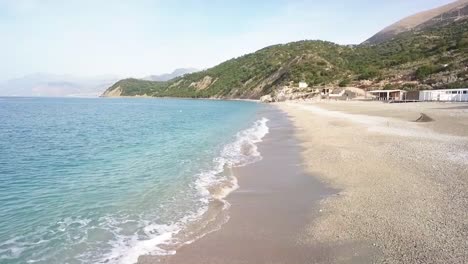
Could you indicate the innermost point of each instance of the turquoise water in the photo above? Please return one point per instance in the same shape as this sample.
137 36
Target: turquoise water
107 180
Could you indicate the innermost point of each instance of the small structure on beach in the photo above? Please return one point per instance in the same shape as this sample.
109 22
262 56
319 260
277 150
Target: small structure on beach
389 95
449 95
341 94
303 85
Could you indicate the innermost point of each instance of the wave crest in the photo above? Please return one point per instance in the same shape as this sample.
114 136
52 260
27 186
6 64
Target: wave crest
213 186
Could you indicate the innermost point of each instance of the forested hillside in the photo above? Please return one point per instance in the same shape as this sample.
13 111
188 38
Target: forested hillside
428 58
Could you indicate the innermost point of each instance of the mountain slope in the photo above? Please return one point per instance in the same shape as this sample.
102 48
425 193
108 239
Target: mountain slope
252 75
434 56
446 13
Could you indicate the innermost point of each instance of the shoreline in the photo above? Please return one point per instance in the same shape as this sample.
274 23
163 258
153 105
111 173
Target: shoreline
215 184
347 182
269 212
180 98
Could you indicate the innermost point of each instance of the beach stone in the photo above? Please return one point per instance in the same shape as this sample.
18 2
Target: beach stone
266 99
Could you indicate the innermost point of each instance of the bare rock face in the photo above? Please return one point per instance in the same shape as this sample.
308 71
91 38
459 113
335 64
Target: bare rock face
287 93
203 83
113 93
266 99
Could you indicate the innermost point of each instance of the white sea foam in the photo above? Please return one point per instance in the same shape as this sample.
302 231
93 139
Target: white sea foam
242 151
130 236
128 250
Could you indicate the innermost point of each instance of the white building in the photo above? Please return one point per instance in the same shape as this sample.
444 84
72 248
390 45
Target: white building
303 85
451 95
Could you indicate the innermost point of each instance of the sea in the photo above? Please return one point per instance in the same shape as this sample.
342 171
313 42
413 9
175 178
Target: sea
102 180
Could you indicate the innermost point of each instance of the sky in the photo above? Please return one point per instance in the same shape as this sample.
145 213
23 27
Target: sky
135 38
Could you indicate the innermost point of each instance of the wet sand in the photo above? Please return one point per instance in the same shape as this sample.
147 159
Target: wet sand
403 184
270 211
349 182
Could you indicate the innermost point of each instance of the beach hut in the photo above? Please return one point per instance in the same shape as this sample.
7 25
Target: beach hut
303 85
447 95
389 95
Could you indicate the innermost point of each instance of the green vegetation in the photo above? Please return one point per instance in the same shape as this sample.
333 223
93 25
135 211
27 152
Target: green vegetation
424 71
344 82
435 57
134 87
458 84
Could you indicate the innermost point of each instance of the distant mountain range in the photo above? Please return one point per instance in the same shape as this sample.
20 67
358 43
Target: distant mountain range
425 51
444 14
51 85
168 76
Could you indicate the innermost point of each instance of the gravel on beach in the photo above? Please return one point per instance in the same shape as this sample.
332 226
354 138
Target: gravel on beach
404 184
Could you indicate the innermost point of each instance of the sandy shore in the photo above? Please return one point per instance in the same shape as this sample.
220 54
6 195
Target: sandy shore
403 185
270 212
348 182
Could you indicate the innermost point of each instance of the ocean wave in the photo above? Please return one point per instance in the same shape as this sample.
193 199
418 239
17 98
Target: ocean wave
211 185
121 238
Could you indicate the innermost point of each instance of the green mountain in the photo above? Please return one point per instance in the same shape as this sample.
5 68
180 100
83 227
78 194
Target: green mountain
429 57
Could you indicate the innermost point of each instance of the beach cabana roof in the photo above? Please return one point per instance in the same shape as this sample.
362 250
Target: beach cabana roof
386 91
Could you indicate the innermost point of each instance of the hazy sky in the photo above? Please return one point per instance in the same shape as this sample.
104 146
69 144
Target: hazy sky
141 37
